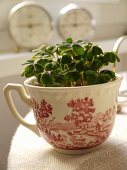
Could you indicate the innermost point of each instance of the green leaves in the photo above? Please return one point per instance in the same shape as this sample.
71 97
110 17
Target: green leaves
28 62
103 78
80 66
78 50
70 63
51 49
46 79
90 77
72 76
69 40
96 50
66 59
29 71
111 57
93 52
96 64
110 73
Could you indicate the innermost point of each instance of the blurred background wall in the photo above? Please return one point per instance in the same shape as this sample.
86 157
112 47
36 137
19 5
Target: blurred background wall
110 17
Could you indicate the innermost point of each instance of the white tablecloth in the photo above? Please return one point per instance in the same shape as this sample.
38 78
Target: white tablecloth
29 152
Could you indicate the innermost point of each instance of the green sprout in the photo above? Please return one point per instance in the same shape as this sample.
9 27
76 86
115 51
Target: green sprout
69 63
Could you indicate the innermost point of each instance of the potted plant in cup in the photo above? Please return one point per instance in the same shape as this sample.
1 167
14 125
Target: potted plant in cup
72 96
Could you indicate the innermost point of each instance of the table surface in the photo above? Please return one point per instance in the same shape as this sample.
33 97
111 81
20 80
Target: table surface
29 152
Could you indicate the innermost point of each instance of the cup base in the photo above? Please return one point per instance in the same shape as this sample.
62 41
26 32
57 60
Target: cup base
77 152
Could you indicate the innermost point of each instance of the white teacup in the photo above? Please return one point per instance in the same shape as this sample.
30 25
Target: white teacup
71 119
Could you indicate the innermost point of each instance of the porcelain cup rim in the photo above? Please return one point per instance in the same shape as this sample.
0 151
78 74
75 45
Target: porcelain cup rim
28 84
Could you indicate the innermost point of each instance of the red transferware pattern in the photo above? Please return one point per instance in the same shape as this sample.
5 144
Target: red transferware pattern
82 128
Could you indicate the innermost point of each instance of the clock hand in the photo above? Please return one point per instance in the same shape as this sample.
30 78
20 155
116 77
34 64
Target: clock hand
30 25
74 25
34 25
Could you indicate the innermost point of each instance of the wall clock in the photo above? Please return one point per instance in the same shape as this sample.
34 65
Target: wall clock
75 22
30 25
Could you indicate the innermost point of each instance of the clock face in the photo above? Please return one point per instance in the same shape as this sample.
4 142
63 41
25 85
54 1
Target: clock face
76 23
30 25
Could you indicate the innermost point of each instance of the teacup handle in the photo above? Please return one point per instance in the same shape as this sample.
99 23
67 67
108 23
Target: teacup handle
25 98
116 50
117 46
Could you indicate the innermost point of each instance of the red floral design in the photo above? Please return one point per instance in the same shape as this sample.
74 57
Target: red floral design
43 110
82 110
82 128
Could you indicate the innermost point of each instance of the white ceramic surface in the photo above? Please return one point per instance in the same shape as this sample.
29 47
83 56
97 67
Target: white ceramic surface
70 119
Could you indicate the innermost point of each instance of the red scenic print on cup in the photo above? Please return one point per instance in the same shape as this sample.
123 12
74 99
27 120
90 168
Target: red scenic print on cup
82 128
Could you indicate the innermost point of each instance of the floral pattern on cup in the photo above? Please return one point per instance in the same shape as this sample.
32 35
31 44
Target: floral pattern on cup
82 128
